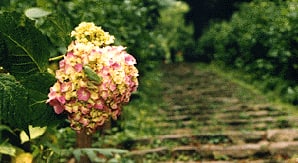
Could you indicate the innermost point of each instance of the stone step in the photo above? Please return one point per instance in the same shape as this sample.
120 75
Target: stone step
250 114
259 123
213 90
227 118
227 137
239 121
195 127
238 161
205 120
264 150
200 109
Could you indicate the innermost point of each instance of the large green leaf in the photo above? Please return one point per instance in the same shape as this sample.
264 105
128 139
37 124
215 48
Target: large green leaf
27 48
13 102
24 105
25 55
38 86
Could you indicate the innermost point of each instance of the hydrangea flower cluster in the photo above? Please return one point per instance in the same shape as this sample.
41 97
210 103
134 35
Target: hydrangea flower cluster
88 32
93 80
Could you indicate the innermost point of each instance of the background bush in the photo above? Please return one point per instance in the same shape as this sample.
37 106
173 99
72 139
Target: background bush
137 24
260 39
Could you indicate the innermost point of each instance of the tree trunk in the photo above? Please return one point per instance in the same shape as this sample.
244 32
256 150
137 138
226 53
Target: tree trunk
84 141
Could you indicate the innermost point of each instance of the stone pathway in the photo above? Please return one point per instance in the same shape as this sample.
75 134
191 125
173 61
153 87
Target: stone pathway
210 119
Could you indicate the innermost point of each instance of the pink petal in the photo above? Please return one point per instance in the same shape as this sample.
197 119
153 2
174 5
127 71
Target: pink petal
112 87
115 65
78 67
61 99
104 87
64 87
58 108
70 54
84 110
62 64
68 69
98 105
53 92
84 121
104 95
89 106
83 94
52 95
130 60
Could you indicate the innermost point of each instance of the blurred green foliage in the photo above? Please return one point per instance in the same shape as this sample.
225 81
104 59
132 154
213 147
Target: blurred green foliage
33 31
260 39
148 28
132 22
175 35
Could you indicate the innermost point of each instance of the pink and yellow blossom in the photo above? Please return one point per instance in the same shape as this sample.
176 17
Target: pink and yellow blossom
89 104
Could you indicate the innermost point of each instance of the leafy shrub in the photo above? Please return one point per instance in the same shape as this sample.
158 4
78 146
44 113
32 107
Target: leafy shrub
175 36
132 22
260 39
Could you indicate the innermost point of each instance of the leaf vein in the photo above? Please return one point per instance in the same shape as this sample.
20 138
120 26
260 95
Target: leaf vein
24 49
22 64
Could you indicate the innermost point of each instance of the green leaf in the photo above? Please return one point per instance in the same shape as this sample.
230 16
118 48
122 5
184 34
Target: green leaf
57 28
34 132
4 127
27 48
13 102
40 113
7 149
24 105
36 12
40 82
92 75
5 3
91 153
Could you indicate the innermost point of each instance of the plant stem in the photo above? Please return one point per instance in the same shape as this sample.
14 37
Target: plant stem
56 58
84 140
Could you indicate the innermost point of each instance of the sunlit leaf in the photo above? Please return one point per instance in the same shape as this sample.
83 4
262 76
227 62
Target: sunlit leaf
7 149
36 12
34 132
24 137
